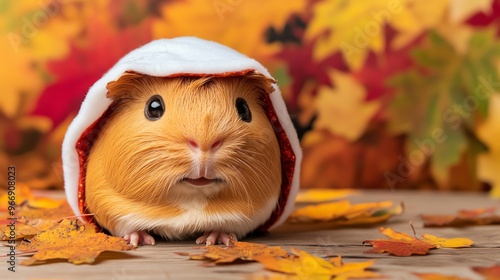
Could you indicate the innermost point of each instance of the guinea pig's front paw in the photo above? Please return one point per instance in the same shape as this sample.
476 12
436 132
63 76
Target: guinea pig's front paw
139 237
214 237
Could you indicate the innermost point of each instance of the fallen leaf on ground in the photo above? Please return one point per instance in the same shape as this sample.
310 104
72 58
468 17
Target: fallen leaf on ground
476 212
299 264
476 217
45 203
25 228
343 213
434 276
307 266
322 195
400 248
402 245
237 251
489 273
72 240
58 213
22 193
440 242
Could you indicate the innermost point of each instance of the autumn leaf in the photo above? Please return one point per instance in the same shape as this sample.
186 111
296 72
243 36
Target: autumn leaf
476 212
429 239
237 251
86 63
402 245
30 42
400 248
476 217
22 193
25 228
489 273
57 213
254 17
435 276
342 213
489 131
345 102
355 29
321 195
440 242
431 103
72 240
306 266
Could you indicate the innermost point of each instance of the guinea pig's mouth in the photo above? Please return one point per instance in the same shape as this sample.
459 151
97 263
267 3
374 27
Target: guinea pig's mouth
201 181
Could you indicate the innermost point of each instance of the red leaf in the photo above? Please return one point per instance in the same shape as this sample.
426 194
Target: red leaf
75 74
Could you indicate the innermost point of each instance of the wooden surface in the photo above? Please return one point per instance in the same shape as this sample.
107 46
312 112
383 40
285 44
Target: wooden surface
160 262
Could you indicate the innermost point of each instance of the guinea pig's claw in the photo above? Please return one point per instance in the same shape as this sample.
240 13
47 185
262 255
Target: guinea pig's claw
139 237
214 237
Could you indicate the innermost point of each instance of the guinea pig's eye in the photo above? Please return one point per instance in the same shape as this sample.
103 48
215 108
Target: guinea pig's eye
154 108
243 110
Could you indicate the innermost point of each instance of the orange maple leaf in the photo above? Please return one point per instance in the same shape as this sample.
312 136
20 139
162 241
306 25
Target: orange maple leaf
400 248
72 240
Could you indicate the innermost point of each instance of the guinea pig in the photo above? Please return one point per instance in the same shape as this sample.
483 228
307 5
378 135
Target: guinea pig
182 138
184 155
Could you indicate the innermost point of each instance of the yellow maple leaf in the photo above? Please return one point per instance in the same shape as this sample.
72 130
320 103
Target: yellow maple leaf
339 25
321 195
72 240
13 79
238 24
342 213
321 212
446 242
489 132
461 10
356 28
35 32
417 17
307 266
395 235
343 110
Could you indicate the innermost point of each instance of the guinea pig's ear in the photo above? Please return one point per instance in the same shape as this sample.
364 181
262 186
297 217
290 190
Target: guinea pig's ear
123 85
260 81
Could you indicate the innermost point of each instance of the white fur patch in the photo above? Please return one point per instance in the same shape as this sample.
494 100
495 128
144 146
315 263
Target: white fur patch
194 220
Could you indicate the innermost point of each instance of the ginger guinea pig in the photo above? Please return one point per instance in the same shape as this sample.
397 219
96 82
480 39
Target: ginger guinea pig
184 156
183 138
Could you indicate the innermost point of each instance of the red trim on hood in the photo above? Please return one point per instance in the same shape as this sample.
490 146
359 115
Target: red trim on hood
88 137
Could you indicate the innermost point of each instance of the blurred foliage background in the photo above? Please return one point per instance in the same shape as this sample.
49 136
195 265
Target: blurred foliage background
385 94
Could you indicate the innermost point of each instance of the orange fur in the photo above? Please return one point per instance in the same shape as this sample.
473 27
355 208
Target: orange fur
135 166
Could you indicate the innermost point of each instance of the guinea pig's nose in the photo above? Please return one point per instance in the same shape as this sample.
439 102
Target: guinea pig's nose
195 147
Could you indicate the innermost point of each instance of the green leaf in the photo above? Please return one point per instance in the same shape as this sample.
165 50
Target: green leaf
444 94
282 77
